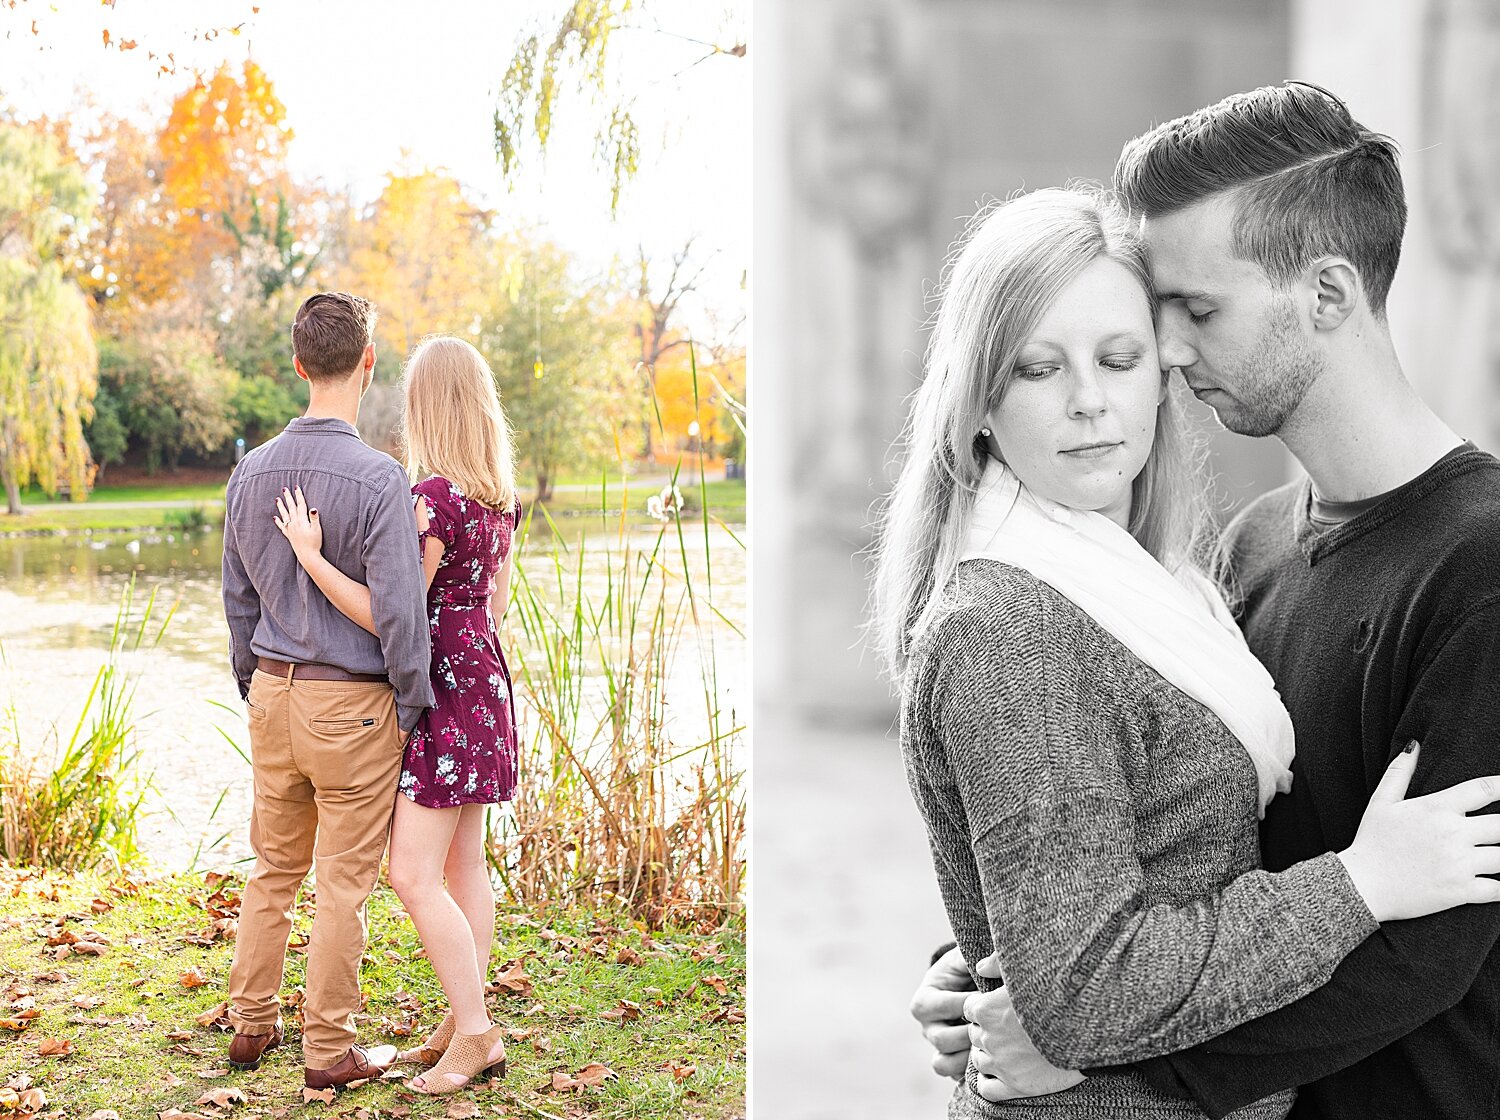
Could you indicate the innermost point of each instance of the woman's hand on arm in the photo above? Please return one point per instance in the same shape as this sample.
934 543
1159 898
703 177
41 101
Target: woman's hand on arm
300 526
1419 856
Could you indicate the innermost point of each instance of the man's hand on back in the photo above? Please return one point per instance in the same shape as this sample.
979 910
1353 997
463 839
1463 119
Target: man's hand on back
938 1005
1009 1066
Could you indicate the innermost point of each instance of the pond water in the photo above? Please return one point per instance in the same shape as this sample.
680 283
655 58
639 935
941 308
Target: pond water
60 596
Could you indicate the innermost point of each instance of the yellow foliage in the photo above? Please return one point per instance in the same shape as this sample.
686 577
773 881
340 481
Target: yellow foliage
717 384
423 255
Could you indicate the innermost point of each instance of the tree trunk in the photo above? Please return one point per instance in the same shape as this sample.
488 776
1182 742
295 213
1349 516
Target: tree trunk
7 469
543 486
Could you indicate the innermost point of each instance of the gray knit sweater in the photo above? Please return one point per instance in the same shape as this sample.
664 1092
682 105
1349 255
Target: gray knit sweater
1097 828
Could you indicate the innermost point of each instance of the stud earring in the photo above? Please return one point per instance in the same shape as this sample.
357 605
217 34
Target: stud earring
985 432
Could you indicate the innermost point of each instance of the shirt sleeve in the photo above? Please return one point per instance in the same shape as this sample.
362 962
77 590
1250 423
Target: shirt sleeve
442 518
1409 971
1099 976
241 604
393 572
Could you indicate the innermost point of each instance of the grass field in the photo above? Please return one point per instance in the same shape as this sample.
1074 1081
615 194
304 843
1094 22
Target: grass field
132 1022
726 500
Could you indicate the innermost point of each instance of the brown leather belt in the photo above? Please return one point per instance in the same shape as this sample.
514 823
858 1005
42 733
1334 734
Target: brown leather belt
303 672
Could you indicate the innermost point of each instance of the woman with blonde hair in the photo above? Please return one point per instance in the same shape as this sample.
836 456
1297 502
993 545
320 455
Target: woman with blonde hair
461 756
1086 733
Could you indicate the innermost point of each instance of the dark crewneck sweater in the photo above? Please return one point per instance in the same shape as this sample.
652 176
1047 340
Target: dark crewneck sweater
1383 629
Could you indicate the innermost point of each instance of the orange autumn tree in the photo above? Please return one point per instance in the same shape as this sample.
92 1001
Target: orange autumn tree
720 389
127 259
223 158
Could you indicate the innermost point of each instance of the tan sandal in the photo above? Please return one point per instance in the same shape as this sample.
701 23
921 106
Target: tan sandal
467 1056
431 1051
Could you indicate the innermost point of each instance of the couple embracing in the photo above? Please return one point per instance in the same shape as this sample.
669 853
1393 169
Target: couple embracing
1166 781
362 614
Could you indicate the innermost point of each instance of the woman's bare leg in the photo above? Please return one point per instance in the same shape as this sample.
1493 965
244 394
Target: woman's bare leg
420 840
468 877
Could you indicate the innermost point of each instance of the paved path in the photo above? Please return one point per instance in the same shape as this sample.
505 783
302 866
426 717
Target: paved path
651 484
844 914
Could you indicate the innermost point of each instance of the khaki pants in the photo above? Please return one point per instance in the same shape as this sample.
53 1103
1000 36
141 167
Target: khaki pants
326 757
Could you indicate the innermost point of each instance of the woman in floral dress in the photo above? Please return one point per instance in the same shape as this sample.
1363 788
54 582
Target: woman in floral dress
461 756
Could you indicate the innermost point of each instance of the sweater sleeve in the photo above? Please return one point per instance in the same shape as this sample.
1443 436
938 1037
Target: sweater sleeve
1097 975
1410 971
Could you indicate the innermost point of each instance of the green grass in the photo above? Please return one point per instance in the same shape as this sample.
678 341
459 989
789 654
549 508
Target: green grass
726 498
202 492
117 1009
77 518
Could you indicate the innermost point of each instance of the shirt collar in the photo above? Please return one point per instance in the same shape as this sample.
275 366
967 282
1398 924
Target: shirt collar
319 424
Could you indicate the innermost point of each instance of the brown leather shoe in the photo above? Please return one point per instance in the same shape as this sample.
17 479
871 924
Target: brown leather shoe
357 1065
246 1050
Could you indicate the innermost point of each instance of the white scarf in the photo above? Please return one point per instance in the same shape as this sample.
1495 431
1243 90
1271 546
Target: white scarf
1181 627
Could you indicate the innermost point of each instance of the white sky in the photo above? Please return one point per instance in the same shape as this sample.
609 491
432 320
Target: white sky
378 85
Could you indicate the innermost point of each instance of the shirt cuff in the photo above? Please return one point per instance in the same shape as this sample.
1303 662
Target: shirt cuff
407 717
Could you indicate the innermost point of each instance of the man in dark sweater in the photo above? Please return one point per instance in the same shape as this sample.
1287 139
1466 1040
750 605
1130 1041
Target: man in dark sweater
1370 590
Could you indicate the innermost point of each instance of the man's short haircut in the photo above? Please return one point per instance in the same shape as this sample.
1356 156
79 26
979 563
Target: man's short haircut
1307 180
330 334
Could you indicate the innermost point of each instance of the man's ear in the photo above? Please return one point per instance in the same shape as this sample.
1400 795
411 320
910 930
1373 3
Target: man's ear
302 373
1337 291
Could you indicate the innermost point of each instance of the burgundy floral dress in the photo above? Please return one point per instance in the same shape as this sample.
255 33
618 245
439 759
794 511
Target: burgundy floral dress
463 749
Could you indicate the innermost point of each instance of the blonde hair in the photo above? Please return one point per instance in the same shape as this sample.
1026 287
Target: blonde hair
455 426
1013 261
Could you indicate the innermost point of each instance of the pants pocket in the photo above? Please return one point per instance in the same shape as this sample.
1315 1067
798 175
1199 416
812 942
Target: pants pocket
347 726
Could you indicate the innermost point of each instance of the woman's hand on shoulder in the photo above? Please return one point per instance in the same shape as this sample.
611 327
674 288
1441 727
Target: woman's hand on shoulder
1417 856
299 524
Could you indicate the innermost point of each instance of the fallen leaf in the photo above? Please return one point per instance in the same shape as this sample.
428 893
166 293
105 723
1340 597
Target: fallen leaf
216 1015
625 1011
92 948
61 1047
681 1073
327 1096
213 1073
104 1114
171 1080
9 1098
627 955
462 1110
513 979
590 1076
193 978
101 906
181 1036
222 1098
718 984
88 1003
32 1100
